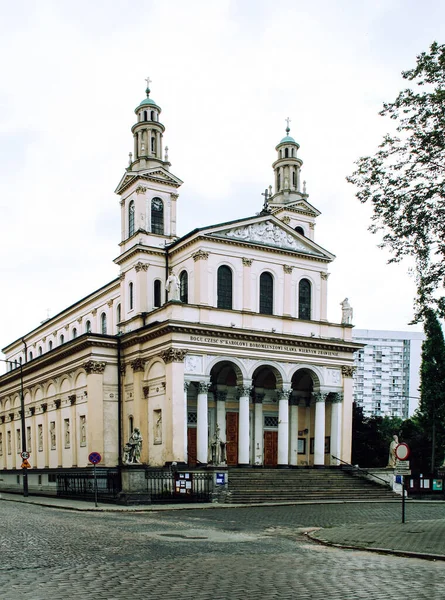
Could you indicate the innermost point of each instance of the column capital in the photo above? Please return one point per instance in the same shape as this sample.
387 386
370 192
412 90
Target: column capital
138 365
283 394
243 391
287 269
173 355
186 385
258 398
294 400
247 262
320 396
348 370
221 396
203 387
200 255
94 366
336 397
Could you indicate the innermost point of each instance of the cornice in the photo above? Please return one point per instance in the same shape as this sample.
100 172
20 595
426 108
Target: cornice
137 249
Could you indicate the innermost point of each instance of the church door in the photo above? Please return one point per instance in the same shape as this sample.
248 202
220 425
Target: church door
270 448
191 446
232 438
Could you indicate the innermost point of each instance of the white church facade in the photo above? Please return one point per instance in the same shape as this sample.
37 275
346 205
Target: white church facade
222 333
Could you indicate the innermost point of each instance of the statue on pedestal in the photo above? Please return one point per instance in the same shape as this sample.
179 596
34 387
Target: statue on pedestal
172 286
217 449
392 452
132 449
346 312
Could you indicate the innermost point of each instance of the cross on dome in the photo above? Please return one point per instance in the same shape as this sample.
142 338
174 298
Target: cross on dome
288 120
148 81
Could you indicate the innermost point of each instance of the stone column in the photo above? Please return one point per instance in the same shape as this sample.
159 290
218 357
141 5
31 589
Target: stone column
336 436
202 433
346 442
324 296
258 430
201 288
288 299
95 434
320 418
60 438
243 425
175 413
140 299
74 443
221 414
247 295
283 427
293 430
186 389
140 419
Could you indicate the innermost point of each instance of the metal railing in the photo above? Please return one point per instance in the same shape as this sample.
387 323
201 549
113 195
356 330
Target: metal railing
80 485
360 471
180 486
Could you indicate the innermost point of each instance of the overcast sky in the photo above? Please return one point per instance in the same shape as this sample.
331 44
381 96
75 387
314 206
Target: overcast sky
226 75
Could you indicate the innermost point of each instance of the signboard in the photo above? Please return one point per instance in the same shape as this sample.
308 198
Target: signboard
402 451
183 483
437 485
25 455
402 471
94 458
25 464
220 478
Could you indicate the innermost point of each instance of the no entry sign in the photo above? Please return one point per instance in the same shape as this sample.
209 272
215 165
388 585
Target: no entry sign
94 458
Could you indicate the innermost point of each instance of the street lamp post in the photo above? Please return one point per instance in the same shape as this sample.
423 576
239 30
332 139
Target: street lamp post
23 424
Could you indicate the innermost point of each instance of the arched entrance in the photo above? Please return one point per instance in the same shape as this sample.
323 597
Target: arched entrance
266 380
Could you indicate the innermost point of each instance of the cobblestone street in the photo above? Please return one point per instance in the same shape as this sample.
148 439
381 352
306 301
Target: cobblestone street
205 554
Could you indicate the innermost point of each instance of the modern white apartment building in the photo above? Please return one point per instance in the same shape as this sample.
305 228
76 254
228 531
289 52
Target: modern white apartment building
387 378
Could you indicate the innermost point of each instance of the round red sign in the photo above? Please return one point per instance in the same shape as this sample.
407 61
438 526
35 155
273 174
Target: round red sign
402 451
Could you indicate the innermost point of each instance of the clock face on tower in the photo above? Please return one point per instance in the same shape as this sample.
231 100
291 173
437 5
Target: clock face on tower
156 204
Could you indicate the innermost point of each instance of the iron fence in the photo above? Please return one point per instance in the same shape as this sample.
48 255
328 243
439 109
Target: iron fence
169 487
81 484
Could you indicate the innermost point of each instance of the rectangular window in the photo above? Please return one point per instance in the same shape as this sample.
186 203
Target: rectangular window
192 418
52 478
270 421
301 445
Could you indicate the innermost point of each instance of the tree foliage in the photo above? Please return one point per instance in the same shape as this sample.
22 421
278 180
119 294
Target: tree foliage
432 388
405 180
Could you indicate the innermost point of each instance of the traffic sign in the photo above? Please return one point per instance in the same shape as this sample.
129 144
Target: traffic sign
398 471
25 464
25 455
402 464
402 451
94 458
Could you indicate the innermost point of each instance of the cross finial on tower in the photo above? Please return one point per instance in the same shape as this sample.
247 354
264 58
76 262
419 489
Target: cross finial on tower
266 208
287 121
148 81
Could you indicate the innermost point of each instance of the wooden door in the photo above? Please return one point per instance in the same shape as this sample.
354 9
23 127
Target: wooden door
270 448
191 446
232 438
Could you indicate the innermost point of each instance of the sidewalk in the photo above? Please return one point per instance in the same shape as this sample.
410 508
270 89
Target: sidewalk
421 539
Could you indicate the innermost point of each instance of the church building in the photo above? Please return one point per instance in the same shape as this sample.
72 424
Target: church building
219 334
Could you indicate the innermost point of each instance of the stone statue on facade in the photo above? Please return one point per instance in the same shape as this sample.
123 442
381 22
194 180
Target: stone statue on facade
346 312
172 286
392 452
132 449
217 449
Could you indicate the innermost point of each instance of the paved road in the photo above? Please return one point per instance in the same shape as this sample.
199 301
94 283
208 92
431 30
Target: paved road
205 554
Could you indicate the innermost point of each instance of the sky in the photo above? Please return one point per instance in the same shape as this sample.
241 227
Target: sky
226 74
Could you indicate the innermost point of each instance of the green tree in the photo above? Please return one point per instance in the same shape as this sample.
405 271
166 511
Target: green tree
405 180
432 388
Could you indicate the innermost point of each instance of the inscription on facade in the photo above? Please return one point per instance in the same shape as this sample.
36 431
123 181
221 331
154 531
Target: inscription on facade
261 346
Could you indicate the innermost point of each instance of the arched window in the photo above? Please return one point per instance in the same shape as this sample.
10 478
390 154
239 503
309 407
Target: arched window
103 323
88 327
153 144
30 356
131 218
130 295
62 339
74 333
145 115
299 230
304 300
224 292
50 347
292 152
294 179
157 293
157 216
286 153
118 313
278 182
184 287
266 294
40 352
153 115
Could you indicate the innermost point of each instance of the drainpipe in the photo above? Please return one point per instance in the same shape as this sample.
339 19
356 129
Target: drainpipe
119 401
26 349
166 272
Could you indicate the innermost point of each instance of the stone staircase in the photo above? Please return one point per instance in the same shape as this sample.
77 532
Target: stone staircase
252 485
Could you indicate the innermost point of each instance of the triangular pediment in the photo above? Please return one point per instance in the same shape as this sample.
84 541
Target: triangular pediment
159 175
162 175
300 207
272 233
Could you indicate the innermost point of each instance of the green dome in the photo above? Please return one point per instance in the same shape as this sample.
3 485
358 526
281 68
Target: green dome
288 140
149 101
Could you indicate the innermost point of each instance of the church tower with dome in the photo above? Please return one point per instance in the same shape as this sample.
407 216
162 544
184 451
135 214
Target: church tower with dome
216 339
